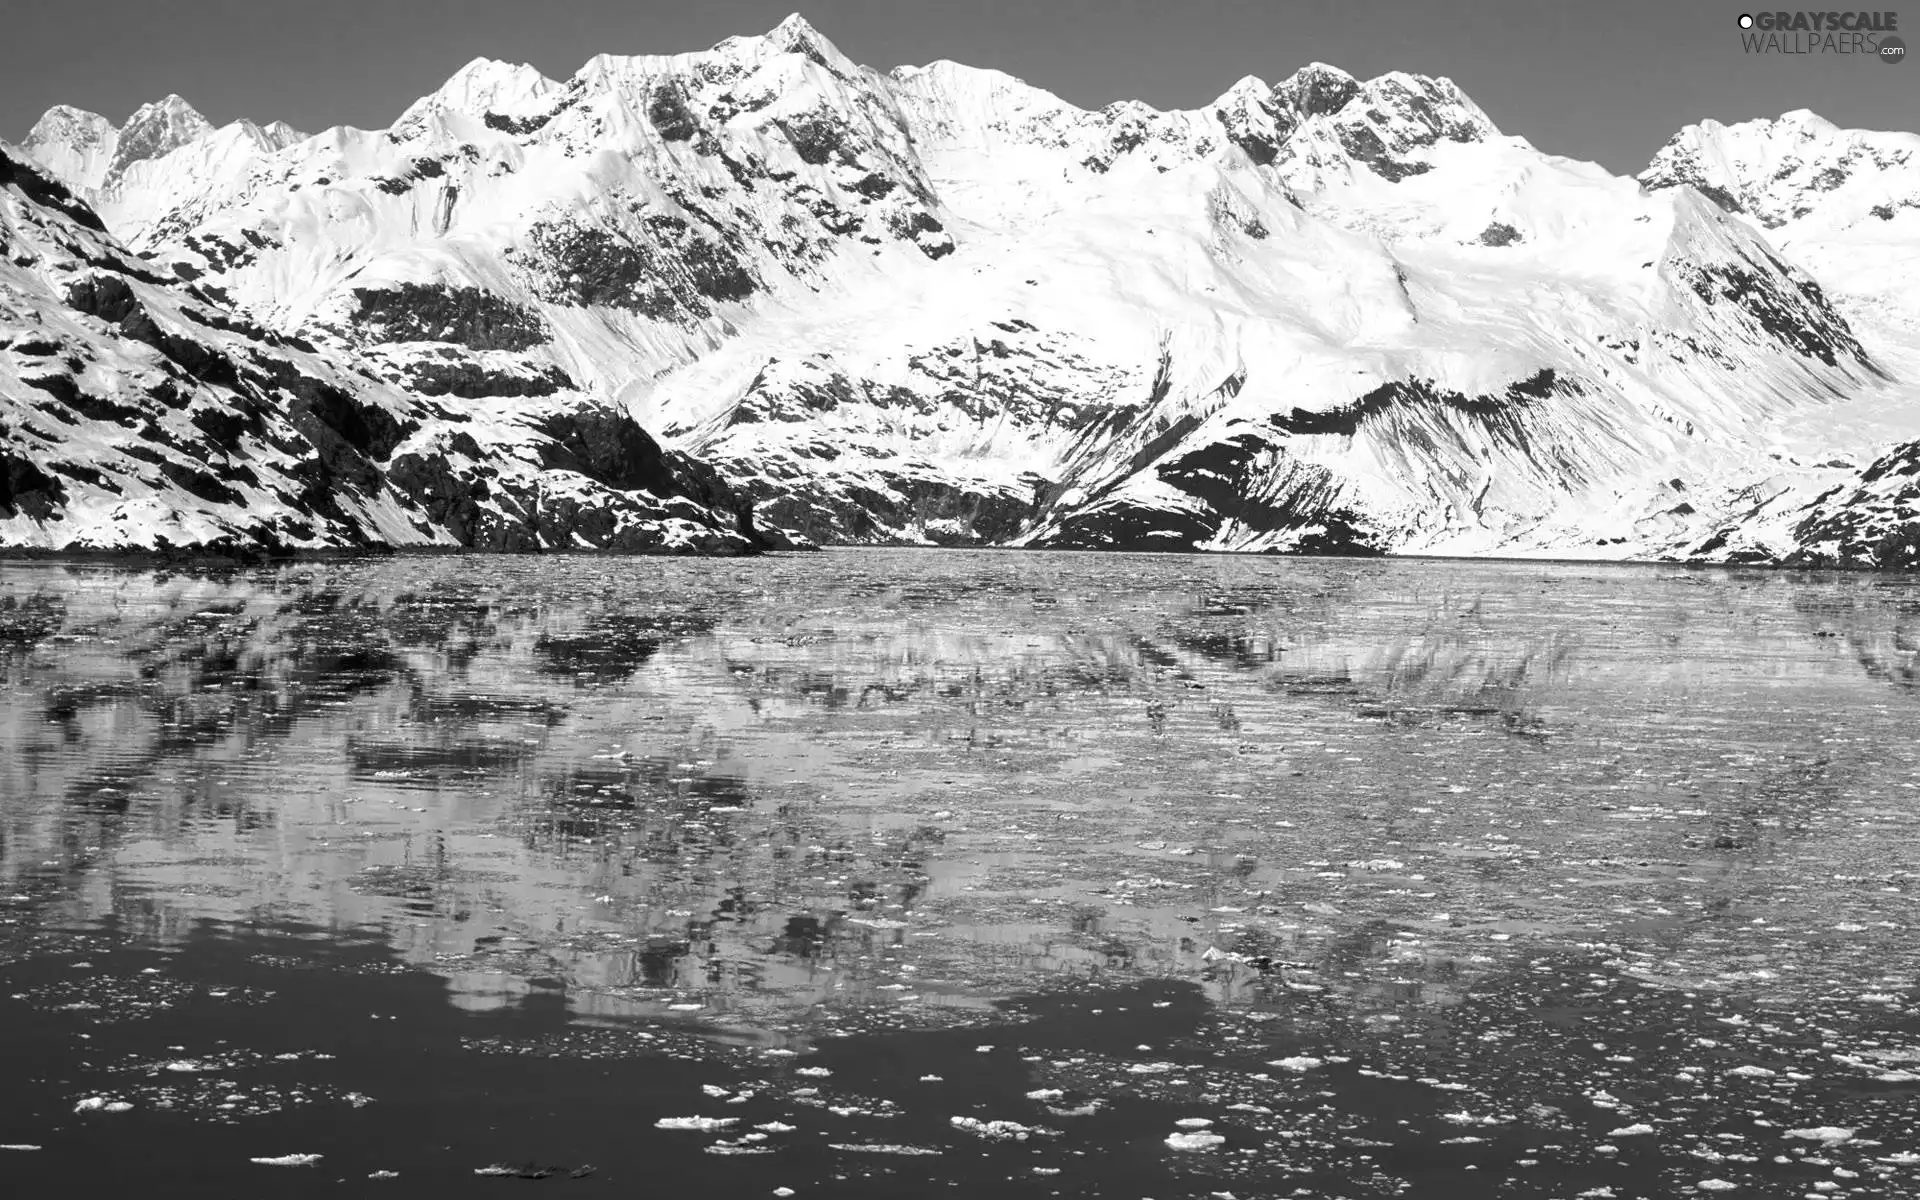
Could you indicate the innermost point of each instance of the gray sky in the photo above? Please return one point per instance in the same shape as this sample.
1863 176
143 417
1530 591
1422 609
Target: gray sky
1607 80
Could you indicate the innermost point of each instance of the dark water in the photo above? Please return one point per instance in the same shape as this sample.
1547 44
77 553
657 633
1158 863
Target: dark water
960 874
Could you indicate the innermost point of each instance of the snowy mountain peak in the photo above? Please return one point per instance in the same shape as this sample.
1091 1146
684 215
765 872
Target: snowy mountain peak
1316 89
74 144
1793 170
65 124
153 131
484 85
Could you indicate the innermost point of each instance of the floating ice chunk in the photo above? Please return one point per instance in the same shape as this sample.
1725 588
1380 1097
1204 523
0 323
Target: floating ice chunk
776 1127
288 1160
1753 1072
1299 1064
1831 1135
17 1146
817 1072
697 1124
1002 1131
1715 1185
1630 1130
1194 1141
384 1175
783 1191
91 1104
932 1079
1045 1094
1193 1122
880 1148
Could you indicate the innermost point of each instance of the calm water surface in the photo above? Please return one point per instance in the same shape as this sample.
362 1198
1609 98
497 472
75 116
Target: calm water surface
892 873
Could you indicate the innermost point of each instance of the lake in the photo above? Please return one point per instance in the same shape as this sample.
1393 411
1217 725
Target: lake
891 872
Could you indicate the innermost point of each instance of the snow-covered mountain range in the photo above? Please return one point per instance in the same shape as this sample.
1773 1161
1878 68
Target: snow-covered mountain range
939 305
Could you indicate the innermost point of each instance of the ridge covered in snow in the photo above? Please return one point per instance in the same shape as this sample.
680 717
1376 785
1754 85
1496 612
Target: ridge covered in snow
142 413
937 304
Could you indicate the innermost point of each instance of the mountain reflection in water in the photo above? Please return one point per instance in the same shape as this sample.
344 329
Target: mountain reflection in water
762 804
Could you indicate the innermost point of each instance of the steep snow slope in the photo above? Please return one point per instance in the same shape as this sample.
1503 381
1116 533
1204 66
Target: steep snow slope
1844 204
138 413
938 304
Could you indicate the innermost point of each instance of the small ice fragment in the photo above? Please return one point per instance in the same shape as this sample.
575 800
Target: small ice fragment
1300 1064
288 1160
1753 1072
1193 1122
1045 1094
1715 1185
698 1124
817 1072
17 1146
91 1104
932 1079
713 1091
776 1127
1194 1141
1630 1131
783 1191
384 1175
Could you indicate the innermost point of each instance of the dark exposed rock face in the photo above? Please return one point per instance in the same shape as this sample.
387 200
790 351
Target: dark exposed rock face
462 316
1799 317
462 377
669 276
1872 521
25 488
670 115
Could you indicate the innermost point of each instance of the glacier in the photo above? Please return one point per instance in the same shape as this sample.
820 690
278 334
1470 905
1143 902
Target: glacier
761 296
